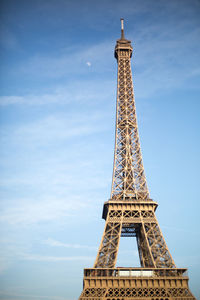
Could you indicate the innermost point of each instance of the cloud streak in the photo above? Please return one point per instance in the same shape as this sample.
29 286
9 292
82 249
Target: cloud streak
35 211
54 243
44 258
82 92
68 63
28 296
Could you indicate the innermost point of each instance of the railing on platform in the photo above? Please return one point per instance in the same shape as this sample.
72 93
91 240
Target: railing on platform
135 272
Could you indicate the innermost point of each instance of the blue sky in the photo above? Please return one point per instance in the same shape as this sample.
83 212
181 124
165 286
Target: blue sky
57 118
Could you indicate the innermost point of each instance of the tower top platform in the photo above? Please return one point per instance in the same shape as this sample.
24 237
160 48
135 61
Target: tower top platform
123 43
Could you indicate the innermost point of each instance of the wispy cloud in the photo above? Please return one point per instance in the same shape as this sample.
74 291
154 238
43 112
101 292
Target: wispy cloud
16 295
9 100
10 250
53 128
77 92
32 100
54 243
84 91
62 126
160 53
34 257
69 62
5 263
43 210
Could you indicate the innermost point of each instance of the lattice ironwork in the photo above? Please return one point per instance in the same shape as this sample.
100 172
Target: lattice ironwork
131 213
138 293
128 172
142 224
107 254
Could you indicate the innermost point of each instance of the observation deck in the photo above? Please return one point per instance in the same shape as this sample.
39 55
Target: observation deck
136 283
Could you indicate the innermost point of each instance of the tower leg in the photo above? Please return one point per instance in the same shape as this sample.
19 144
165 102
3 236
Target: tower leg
153 251
108 249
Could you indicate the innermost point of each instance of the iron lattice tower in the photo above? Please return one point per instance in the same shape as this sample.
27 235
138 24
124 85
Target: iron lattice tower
131 212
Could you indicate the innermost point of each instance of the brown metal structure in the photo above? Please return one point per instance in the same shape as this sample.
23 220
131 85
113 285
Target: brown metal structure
131 212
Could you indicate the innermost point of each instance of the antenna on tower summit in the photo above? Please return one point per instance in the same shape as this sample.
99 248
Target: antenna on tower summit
122 28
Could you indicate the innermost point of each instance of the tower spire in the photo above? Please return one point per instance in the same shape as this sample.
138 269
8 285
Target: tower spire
122 29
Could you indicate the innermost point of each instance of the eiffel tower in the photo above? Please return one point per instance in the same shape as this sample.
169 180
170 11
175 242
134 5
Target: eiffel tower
130 212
